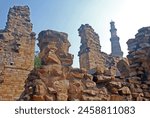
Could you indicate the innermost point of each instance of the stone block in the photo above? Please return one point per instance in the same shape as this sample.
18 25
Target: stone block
116 98
91 92
124 91
115 84
90 84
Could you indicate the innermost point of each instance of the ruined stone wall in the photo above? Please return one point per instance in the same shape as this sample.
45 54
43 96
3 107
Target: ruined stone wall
16 52
90 50
56 80
51 81
139 54
139 58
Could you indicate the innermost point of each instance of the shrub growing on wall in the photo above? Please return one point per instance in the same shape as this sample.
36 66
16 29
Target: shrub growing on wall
37 62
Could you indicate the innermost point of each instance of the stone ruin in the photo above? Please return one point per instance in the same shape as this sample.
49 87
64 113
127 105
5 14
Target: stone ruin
90 50
56 79
139 54
16 52
100 76
139 60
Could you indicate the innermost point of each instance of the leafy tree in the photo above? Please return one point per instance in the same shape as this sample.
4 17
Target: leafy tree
37 62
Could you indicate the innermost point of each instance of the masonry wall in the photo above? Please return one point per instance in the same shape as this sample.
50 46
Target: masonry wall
13 83
16 52
90 50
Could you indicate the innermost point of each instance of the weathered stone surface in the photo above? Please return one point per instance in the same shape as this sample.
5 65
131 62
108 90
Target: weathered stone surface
16 52
125 91
57 46
89 98
76 73
138 59
116 98
89 54
147 94
123 68
76 88
115 84
91 92
38 98
58 80
110 62
113 90
100 77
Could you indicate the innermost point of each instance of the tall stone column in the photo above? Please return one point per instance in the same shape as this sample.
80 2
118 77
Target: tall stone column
115 45
90 50
17 42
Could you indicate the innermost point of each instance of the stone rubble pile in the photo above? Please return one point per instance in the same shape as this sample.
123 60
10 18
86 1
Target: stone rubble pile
57 80
97 63
101 77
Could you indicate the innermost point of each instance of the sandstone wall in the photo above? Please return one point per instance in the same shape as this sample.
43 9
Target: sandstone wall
16 52
100 77
90 50
56 80
139 53
139 60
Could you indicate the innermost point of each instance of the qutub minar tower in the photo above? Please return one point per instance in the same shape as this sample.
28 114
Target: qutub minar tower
115 45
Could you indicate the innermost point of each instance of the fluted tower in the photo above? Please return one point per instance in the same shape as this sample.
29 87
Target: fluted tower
115 45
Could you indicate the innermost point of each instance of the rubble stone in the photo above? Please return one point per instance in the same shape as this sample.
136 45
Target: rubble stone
100 77
89 54
116 79
16 52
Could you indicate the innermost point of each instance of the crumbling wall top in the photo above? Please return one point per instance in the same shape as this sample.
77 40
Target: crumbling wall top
47 36
18 20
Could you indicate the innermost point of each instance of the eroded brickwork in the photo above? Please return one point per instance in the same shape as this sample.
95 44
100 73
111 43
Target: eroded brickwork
57 80
100 76
90 50
16 52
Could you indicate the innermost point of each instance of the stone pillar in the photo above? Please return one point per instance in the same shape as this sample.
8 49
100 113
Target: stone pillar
90 50
115 45
17 42
139 54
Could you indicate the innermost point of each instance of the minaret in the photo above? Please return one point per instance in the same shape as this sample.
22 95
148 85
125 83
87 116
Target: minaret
115 45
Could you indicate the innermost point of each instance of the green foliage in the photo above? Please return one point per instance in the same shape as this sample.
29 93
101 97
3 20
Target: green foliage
37 62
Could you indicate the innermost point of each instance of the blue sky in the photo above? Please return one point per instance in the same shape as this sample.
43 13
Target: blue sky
68 15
